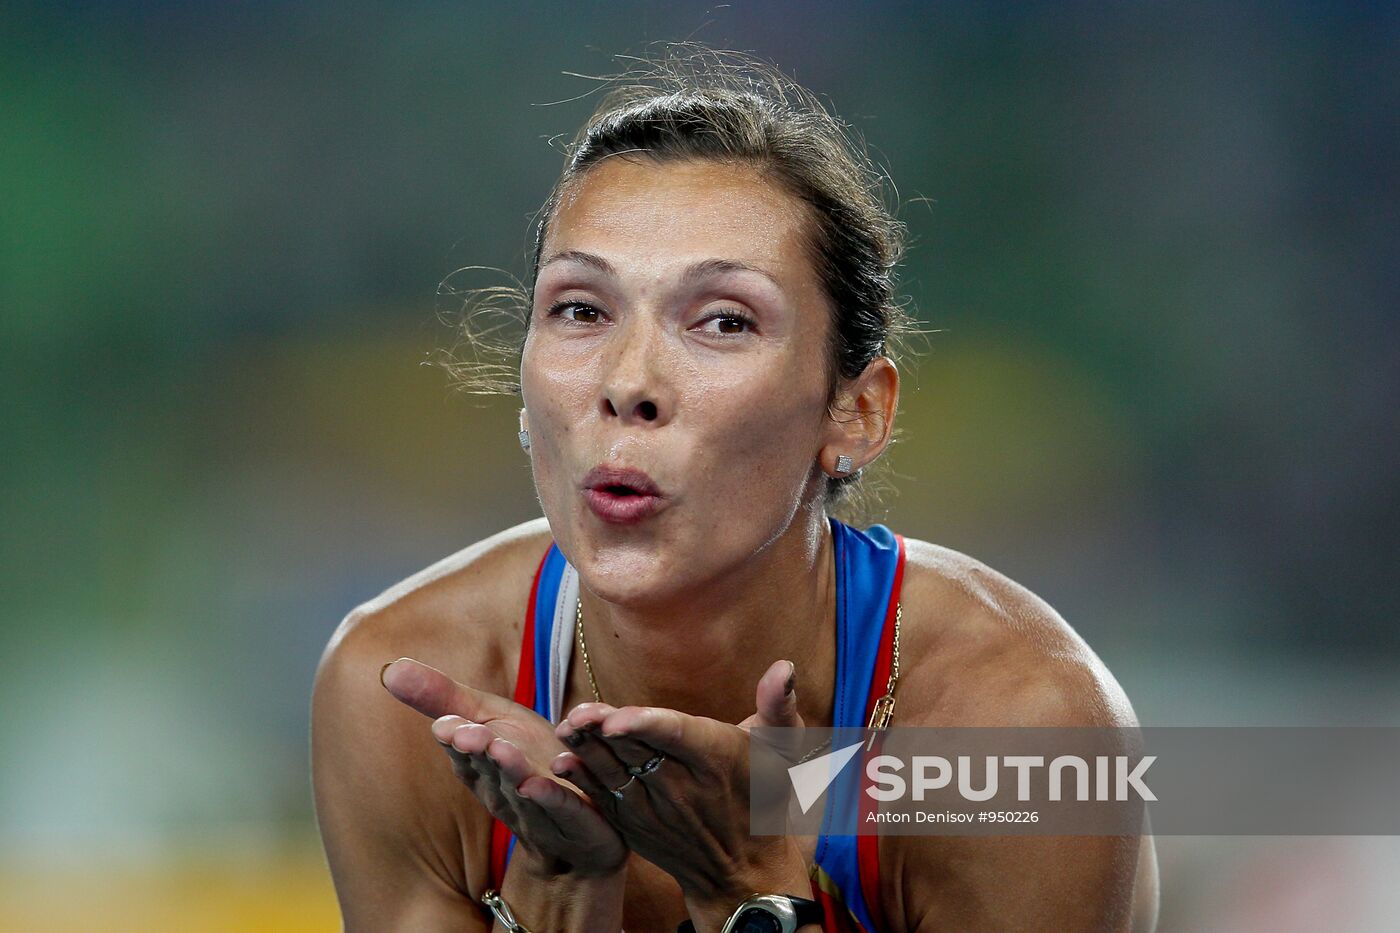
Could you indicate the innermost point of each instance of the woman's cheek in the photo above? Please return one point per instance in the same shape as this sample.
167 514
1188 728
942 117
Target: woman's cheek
550 430
558 391
773 450
551 455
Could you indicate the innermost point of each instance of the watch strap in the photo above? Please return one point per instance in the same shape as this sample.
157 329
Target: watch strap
808 911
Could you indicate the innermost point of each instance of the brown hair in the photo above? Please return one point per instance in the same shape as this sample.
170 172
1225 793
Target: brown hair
696 104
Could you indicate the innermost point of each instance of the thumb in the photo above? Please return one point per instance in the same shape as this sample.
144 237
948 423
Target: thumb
776 697
434 694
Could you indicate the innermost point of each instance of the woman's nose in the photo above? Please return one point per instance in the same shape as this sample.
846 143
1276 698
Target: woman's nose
634 387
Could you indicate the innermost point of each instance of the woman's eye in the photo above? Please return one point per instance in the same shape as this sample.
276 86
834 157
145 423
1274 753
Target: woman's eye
576 311
727 324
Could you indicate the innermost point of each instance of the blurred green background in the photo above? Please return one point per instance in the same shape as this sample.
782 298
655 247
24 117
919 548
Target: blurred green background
1158 245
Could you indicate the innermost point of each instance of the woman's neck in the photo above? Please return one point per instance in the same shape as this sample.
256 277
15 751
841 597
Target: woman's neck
704 653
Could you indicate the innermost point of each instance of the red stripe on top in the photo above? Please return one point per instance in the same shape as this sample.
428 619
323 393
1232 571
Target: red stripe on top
868 846
525 696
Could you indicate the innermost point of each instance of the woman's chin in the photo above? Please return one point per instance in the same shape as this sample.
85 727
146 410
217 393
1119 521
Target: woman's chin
635 577
626 582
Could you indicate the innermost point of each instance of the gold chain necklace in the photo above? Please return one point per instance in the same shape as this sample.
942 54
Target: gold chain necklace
583 650
880 716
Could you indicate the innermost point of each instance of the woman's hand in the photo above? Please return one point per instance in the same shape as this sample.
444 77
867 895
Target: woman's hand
502 751
684 805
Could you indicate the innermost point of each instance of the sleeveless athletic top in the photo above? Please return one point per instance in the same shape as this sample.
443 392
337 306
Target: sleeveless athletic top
869 575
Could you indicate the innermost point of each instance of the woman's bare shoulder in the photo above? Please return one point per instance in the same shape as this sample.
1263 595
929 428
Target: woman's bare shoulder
401 833
985 650
462 614
980 649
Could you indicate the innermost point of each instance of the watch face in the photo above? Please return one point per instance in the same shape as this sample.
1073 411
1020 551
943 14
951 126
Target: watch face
757 920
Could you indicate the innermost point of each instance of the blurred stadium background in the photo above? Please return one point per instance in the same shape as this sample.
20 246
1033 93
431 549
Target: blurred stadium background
1158 244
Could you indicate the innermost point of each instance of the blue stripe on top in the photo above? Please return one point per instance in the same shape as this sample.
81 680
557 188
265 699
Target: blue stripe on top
865 569
866 562
546 601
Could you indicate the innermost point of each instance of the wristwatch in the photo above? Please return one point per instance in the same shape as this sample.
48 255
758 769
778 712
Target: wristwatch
773 913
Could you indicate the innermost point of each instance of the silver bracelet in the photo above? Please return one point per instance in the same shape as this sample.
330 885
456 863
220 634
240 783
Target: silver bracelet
492 901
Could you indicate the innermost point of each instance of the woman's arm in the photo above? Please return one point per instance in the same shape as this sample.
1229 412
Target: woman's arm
1104 884
407 843
396 822
1146 889
996 655
544 899
1080 883
392 839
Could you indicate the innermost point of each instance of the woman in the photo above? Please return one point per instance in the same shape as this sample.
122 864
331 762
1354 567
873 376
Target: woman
704 376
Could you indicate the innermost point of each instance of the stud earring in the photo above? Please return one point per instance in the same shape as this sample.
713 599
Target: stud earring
524 440
843 464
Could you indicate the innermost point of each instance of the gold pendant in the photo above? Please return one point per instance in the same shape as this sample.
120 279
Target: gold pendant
883 712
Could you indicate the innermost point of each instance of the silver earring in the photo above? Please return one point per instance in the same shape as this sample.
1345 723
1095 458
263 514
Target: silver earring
524 440
843 464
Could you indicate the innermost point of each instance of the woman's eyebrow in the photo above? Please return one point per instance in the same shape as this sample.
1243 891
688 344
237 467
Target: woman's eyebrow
694 273
579 256
708 267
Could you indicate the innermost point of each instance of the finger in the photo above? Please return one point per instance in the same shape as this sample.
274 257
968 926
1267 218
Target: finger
579 730
511 769
472 739
565 764
444 726
511 762
546 792
693 740
433 693
443 729
598 757
628 750
583 716
564 819
562 800
487 784
572 815
775 698
462 767
570 766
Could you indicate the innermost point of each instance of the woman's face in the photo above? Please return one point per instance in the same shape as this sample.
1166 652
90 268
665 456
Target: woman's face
675 374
